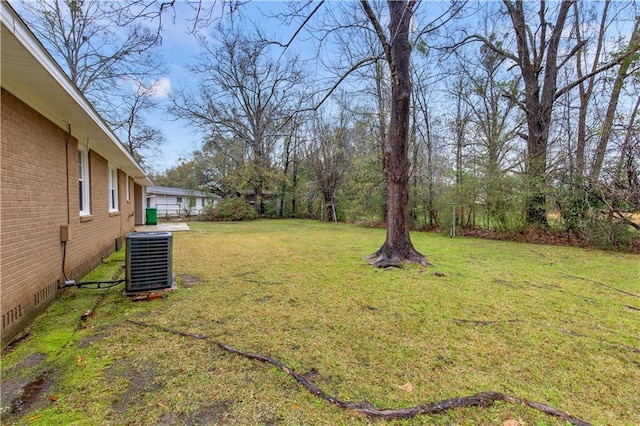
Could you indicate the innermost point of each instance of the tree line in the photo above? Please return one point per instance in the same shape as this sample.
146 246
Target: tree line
521 114
500 115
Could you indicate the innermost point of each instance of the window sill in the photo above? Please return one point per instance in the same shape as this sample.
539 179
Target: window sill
114 213
86 218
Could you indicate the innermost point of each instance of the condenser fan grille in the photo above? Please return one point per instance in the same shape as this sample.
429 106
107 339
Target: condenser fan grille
149 261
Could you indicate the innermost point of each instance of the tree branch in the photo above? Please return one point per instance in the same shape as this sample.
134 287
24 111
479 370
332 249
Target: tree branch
353 68
381 36
489 44
632 51
300 28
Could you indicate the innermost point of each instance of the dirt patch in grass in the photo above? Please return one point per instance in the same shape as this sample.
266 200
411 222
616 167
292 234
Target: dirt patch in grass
140 382
23 396
30 361
189 280
264 298
15 342
89 340
20 392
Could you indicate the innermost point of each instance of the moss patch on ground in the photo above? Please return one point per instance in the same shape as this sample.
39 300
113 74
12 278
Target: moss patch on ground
556 325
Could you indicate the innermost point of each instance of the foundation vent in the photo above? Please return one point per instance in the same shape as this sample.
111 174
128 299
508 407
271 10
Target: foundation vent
11 316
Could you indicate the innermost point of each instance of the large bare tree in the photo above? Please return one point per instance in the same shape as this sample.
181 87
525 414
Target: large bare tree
539 56
397 248
538 59
137 136
328 154
109 55
246 99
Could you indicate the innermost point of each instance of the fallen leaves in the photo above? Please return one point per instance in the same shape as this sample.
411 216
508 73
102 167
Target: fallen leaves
407 387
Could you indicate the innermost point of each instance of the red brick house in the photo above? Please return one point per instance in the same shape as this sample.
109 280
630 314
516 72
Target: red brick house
69 191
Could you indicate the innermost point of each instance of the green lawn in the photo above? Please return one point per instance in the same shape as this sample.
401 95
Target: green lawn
555 325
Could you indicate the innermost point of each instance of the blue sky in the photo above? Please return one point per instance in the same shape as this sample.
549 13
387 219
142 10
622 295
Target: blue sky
179 49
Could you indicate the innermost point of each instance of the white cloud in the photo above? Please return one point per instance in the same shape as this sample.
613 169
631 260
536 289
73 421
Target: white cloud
157 89
161 88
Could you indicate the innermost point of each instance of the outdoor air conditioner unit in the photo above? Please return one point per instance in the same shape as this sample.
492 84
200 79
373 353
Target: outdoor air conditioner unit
149 261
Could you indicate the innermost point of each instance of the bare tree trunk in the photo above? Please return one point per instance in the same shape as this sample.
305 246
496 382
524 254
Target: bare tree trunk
431 174
294 189
613 104
536 166
421 106
539 96
382 120
460 125
626 173
586 87
397 248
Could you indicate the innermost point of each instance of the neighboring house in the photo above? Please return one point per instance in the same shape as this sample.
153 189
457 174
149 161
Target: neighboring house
178 202
69 191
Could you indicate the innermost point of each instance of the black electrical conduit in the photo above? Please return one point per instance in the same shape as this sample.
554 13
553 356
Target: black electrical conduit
91 285
97 285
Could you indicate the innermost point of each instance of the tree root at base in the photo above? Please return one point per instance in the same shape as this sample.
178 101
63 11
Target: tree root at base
481 399
385 259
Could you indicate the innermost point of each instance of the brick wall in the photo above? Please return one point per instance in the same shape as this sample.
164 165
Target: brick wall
38 195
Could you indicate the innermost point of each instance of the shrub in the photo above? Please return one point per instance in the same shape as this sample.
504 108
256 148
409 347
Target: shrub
229 209
607 233
270 208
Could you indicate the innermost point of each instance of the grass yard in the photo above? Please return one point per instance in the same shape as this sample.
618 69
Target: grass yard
555 325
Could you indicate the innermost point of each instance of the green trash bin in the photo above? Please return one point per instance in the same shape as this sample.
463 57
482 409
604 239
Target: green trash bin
152 216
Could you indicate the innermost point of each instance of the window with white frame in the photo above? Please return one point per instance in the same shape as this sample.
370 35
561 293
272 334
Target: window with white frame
84 203
113 189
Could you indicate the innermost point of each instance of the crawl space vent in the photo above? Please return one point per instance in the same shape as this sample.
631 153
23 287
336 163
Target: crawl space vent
149 261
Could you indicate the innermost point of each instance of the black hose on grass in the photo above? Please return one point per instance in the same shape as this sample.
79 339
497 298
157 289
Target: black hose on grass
93 285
